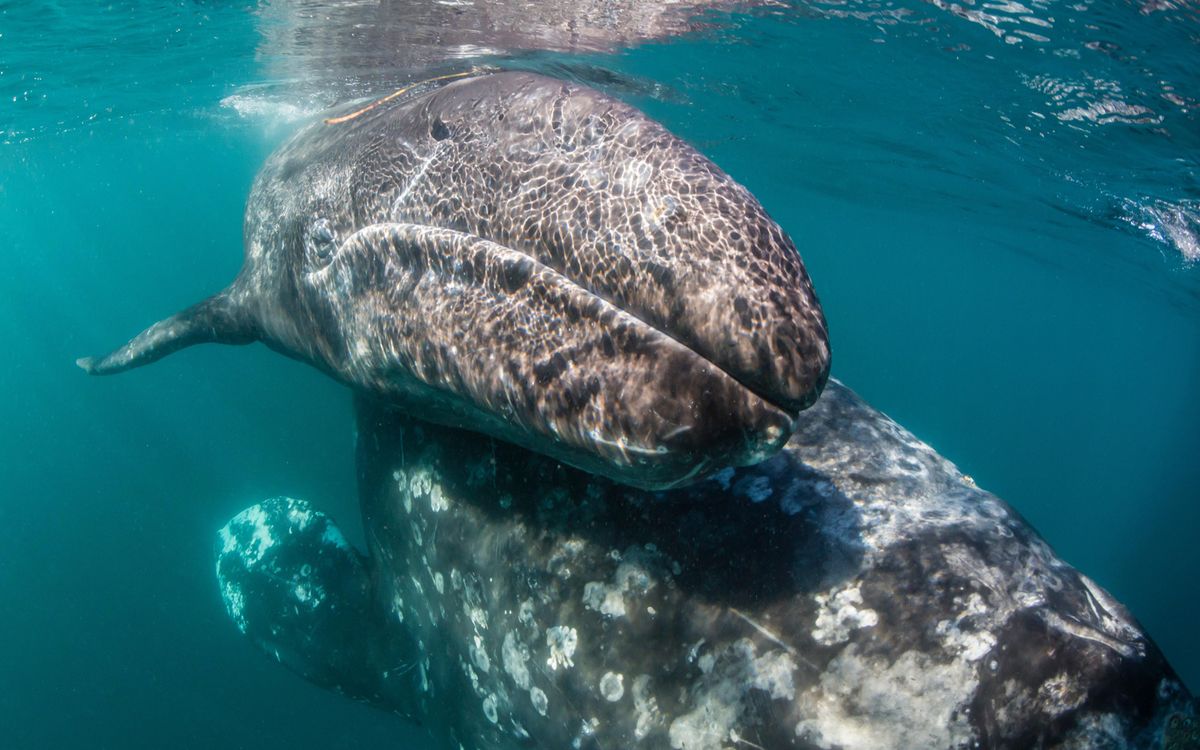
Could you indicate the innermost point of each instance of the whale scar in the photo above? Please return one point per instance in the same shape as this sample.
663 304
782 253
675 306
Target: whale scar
396 93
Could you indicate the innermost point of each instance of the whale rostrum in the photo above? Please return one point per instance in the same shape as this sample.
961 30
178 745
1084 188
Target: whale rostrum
532 259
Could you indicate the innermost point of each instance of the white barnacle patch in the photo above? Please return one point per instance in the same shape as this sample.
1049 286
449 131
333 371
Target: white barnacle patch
604 599
865 702
308 594
439 583
773 673
538 698
562 641
299 516
563 555
480 656
525 614
629 578
261 538
420 483
437 500
472 675
332 536
612 686
515 656
965 636
720 696
229 542
645 707
472 600
1060 694
476 615
235 603
489 708
839 613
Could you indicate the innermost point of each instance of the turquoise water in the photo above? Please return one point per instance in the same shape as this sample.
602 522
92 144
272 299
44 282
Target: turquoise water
1003 234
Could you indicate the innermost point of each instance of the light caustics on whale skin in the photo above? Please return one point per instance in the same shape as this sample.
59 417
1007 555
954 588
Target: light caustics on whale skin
534 260
403 326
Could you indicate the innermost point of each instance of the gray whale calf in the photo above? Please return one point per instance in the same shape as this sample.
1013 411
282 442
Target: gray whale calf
854 591
529 258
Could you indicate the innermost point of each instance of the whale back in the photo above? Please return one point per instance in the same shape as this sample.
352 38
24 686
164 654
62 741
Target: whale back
856 590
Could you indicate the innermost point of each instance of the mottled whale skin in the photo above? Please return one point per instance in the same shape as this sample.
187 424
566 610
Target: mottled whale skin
854 591
533 259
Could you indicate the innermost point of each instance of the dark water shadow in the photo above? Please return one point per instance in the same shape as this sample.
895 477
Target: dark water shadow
747 538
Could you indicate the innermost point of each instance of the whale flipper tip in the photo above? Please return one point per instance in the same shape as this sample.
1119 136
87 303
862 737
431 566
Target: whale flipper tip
87 364
294 585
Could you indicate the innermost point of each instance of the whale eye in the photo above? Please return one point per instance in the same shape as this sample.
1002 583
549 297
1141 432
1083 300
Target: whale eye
321 239
321 232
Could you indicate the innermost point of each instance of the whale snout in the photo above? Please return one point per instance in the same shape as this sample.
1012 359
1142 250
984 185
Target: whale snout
459 329
658 414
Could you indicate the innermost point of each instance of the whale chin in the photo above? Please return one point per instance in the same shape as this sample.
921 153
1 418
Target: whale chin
460 330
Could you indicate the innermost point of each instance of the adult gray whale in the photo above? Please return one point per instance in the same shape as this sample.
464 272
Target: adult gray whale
856 591
529 258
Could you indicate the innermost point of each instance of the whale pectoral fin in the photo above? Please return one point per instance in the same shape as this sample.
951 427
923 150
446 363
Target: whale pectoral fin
294 585
215 320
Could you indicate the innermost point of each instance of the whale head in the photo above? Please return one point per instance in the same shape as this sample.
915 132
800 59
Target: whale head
530 259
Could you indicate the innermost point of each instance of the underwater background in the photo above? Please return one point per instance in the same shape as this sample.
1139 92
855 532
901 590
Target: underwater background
999 204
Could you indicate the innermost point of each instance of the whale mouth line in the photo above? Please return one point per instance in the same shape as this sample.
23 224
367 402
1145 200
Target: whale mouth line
513 269
665 333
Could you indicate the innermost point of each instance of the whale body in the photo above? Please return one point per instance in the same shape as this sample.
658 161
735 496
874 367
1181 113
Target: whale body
532 259
856 591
